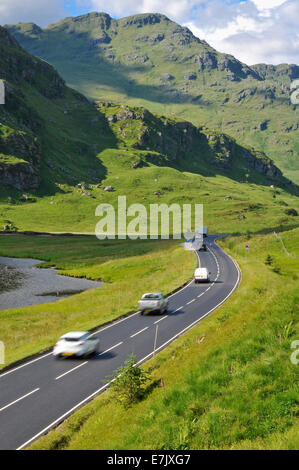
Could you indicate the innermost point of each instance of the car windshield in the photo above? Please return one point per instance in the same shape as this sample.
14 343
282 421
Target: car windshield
151 296
70 339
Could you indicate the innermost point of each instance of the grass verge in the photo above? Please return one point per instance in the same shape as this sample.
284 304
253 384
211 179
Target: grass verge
229 382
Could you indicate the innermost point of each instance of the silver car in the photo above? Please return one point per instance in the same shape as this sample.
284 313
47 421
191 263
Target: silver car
153 303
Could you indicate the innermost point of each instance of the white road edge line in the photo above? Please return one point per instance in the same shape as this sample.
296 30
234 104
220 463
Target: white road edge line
19 399
69 371
138 332
57 421
112 347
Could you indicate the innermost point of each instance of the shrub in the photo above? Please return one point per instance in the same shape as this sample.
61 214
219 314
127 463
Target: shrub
129 380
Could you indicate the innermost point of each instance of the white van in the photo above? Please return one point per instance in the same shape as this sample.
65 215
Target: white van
201 275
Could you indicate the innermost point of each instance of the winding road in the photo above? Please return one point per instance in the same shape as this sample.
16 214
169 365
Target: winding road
42 392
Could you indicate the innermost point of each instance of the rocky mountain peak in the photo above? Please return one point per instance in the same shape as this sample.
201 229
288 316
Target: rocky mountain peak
94 20
144 19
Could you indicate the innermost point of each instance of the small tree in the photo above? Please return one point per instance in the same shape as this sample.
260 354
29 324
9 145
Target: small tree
129 380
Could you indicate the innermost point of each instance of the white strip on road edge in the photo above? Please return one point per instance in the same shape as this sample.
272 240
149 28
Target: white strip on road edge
19 399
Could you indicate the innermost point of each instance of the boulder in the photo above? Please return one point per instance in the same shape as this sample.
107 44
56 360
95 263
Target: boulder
108 188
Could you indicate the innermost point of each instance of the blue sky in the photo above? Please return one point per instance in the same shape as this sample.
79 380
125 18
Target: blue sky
74 9
254 31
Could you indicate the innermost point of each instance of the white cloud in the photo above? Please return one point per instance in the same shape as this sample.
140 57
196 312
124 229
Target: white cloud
253 31
267 4
41 12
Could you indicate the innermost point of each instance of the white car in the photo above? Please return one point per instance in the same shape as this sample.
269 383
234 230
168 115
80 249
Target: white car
76 343
201 275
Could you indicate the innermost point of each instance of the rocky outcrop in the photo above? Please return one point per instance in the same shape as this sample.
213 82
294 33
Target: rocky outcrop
235 70
21 176
21 145
177 140
102 39
222 150
261 163
167 77
137 58
275 72
190 76
143 20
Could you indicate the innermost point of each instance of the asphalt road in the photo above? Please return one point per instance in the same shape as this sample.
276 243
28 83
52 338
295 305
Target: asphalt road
40 393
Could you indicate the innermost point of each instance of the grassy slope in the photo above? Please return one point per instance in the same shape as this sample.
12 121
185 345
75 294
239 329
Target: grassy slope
114 72
128 268
63 207
68 210
236 389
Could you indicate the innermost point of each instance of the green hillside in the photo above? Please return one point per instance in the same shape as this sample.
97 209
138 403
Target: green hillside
151 61
59 152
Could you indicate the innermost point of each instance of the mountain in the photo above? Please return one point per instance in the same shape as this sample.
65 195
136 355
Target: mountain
61 155
46 129
151 61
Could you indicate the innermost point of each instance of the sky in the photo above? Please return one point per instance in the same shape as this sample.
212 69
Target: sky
254 31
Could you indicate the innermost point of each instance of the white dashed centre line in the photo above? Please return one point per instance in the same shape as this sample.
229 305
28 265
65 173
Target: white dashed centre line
138 332
110 349
163 318
69 371
19 399
191 301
